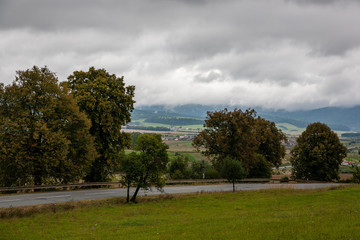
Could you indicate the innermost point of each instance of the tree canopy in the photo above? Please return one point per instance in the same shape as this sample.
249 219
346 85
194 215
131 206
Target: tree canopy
318 154
150 162
241 136
44 138
108 103
232 170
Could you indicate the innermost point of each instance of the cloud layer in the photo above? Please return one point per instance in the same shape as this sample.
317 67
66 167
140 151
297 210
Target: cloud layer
276 54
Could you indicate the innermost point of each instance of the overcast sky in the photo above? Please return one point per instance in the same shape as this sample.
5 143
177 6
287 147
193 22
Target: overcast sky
278 54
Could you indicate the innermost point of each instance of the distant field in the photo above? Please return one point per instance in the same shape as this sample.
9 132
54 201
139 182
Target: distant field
142 122
185 149
267 214
290 129
353 159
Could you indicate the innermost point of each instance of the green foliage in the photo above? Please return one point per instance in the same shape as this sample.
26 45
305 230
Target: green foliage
232 170
108 104
134 136
269 139
179 168
239 135
259 167
132 168
43 136
318 154
154 159
212 173
356 175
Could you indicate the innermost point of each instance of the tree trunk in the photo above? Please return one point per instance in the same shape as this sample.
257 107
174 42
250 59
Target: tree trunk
133 199
233 185
128 193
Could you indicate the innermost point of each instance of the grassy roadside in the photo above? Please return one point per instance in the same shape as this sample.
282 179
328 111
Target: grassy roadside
268 214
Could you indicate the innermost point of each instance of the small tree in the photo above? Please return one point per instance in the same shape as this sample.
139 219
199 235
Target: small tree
132 169
179 168
232 170
153 161
318 154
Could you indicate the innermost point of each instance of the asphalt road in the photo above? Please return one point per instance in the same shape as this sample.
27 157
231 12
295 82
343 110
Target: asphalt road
31 199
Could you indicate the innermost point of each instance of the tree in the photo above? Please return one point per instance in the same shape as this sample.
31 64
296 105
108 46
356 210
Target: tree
179 168
269 138
154 159
228 134
108 104
134 136
318 154
132 169
44 138
259 167
239 135
232 170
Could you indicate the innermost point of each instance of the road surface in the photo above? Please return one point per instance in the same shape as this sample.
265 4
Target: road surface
31 199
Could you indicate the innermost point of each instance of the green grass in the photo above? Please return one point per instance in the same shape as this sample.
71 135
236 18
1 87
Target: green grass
142 122
290 129
353 159
270 214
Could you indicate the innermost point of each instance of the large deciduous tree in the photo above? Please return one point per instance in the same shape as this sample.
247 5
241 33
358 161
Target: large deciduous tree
318 154
44 138
108 103
269 138
241 136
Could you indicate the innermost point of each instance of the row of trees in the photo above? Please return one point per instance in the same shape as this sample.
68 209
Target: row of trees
256 144
59 133
55 132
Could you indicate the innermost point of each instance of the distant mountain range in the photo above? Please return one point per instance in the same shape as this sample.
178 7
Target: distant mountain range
341 119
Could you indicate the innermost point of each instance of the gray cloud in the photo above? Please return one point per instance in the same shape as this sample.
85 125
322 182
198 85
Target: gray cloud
278 54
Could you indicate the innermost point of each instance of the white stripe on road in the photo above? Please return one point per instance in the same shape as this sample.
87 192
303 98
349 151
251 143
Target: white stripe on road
89 194
60 196
13 200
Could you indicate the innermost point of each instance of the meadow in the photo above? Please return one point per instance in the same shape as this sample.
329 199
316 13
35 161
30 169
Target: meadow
268 214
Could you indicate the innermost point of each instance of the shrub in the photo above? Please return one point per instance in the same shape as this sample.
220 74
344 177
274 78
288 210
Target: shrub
356 175
212 173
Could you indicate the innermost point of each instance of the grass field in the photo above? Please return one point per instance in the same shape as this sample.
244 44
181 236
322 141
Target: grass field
142 122
270 214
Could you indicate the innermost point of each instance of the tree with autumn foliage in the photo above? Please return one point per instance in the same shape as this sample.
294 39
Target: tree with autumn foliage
44 138
239 135
108 103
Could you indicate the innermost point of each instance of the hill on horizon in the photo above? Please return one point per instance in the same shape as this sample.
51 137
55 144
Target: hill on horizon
338 118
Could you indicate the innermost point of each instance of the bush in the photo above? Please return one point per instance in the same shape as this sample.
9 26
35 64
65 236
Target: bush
284 179
356 175
260 168
212 173
179 168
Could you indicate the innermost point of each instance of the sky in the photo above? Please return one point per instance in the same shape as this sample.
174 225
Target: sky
274 54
